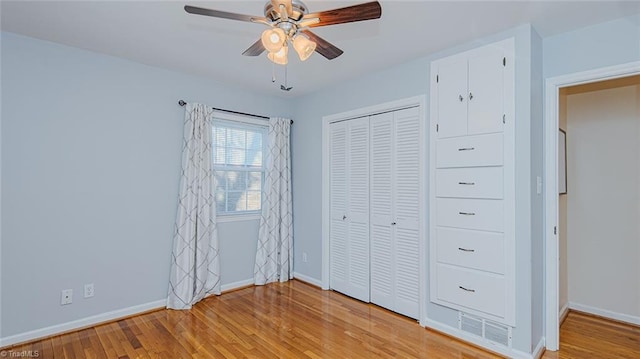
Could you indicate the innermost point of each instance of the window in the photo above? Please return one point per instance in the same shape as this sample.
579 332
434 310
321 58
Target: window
238 166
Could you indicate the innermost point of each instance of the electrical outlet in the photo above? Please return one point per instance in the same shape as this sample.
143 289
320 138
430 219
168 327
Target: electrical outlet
66 297
304 257
88 290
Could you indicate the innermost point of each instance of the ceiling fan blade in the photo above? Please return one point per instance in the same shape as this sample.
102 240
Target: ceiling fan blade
323 47
223 14
254 50
367 11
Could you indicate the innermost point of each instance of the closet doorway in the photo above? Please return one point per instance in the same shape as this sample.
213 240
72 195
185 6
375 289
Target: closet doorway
592 232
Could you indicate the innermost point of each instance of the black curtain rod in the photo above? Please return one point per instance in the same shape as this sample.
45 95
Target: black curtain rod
182 103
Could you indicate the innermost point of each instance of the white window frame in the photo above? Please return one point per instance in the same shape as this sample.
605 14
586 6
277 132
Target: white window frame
242 120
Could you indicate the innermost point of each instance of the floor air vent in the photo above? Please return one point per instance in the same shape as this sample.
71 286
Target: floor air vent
494 332
471 324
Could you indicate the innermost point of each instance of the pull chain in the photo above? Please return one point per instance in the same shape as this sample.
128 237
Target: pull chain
273 72
285 87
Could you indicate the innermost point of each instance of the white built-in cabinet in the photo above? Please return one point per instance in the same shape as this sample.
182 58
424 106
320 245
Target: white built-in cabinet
376 175
472 182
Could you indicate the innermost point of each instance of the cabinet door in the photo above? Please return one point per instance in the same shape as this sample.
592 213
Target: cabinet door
358 208
452 98
486 87
407 211
382 268
339 230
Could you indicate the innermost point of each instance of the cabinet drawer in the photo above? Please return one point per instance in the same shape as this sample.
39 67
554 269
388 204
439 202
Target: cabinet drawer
474 182
485 292
471 249
468 151
480 214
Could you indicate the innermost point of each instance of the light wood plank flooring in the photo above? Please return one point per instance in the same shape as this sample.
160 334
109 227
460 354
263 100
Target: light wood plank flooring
296 320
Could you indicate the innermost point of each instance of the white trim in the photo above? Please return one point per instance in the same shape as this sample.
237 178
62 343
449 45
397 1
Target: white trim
251 120
224 218
236 285
621 317
81 323
416 101
539 350
481 342
307 279
552 88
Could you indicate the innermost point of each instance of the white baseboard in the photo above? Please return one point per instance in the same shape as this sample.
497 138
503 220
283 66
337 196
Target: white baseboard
481 342
538 351
236 285
307 279
631 319
81 323
564 311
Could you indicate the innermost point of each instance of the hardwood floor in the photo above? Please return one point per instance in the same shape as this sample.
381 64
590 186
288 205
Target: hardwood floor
296 320
585 336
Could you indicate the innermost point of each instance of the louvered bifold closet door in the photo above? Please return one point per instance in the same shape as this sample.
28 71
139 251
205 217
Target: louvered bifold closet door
349 197
382 266
358 208
407 199
339 229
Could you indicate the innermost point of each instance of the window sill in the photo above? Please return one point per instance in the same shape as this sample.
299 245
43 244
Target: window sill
238 217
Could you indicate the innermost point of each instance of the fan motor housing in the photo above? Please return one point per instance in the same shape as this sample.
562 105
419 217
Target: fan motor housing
273 14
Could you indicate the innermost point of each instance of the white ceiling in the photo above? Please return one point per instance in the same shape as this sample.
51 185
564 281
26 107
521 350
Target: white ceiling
161 33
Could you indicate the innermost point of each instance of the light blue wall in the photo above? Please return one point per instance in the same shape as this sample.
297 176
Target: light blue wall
90 170
400 82
537 213
607 44
406 80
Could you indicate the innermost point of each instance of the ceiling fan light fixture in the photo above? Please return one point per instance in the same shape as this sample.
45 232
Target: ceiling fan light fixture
273 39
303 46
280 57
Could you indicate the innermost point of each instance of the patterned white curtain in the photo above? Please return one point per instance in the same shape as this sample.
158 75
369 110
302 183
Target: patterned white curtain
274 258
195 262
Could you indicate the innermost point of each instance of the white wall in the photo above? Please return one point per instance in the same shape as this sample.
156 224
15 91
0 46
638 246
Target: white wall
603 200
90 174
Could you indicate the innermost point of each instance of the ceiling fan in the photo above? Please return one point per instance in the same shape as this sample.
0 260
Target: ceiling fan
288 22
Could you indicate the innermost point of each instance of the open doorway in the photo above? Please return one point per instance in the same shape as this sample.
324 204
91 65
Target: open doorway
599 218
556 286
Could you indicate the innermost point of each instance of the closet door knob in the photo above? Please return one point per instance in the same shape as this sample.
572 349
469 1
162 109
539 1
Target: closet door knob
460 98
344 217
470 96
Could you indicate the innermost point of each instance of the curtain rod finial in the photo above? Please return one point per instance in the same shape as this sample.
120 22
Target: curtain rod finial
181 103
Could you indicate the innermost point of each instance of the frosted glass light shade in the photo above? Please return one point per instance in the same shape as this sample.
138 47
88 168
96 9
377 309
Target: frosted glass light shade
304 47
280 57
273 39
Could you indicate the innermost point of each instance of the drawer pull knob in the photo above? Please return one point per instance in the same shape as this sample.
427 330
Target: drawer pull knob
344 216
393 223
467 183
465 289
467 213
466 250
466 149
